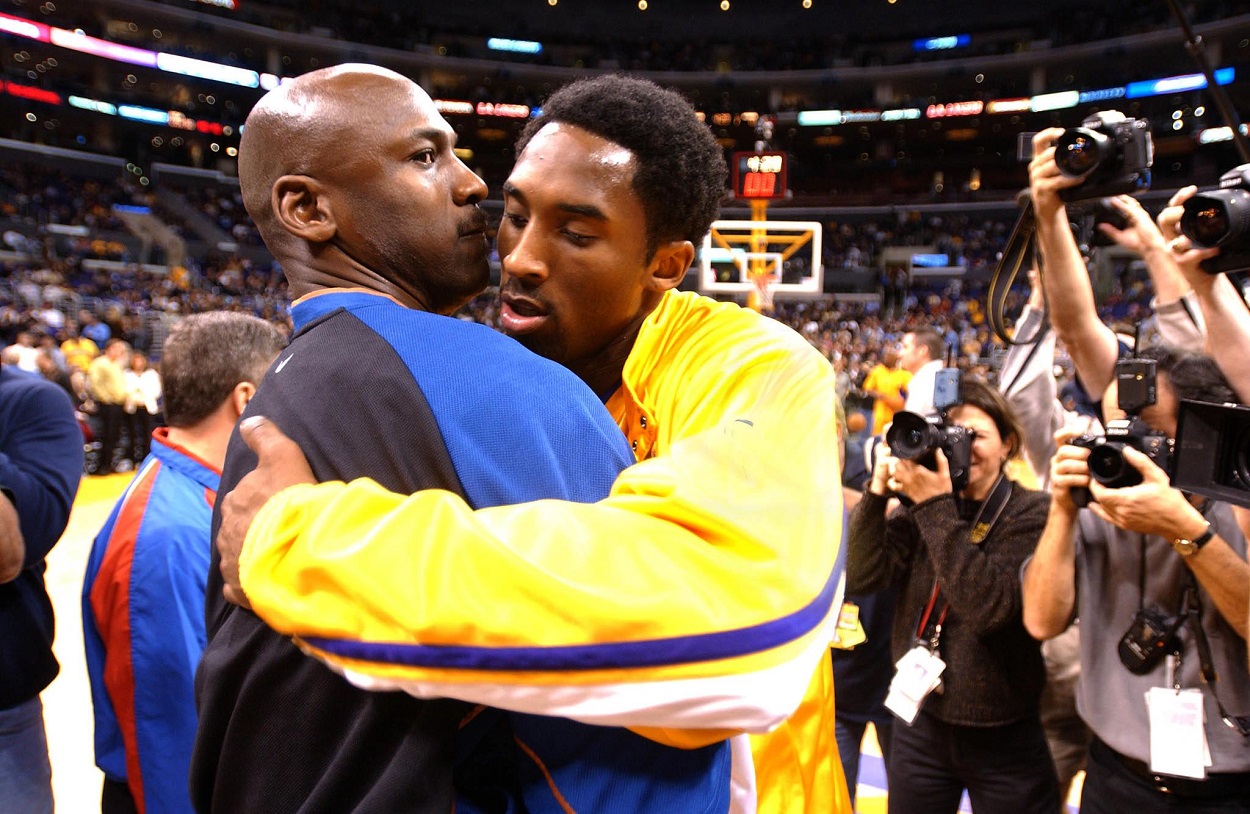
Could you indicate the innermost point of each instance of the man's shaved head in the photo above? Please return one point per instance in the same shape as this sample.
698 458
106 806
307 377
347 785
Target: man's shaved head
351 176
303 127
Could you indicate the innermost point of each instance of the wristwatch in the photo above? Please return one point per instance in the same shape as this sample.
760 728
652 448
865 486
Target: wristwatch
1187 547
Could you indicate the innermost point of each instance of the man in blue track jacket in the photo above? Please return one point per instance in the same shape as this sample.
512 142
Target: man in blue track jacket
143 596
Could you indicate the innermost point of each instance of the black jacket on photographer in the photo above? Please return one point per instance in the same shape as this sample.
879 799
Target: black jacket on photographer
994 673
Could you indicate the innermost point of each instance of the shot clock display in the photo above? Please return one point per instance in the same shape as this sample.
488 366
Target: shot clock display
759 175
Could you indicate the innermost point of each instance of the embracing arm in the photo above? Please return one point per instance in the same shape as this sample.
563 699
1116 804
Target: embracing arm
709 562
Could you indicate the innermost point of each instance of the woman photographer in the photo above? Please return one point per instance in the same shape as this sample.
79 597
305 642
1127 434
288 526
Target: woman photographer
967 661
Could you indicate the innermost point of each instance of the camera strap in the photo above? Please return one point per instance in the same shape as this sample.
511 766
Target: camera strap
991 509
929 630
1017 252
1193 610
926 634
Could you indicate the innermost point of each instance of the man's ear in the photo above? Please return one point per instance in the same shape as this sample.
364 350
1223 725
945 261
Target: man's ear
670 264
240 396
302 207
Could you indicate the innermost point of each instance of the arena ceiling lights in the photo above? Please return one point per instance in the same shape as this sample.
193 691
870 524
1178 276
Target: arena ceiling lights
1041 103
170 63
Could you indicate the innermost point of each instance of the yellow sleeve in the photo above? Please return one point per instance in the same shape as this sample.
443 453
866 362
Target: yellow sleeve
708 570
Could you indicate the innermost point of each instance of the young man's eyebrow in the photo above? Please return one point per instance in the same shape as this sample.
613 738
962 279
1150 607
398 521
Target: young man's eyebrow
585 210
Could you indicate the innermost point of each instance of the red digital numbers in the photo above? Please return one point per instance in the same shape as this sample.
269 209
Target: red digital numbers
759 185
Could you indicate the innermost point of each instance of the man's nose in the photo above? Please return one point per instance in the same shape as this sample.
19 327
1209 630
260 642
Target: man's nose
526 261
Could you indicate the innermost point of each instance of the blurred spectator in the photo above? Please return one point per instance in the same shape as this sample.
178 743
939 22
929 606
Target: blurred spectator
49 369
887 385
107 380
93 329
923 355
143 397
79 350
23 353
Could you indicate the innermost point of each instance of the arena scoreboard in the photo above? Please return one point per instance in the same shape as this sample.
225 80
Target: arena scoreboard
759 175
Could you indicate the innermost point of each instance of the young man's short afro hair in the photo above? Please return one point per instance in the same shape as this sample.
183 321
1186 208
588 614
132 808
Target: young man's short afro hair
681 171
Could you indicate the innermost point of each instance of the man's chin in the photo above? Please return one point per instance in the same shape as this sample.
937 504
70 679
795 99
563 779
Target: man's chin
535 342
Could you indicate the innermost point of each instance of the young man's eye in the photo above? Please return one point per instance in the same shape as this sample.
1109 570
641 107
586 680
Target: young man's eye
514 220
577 238
424 157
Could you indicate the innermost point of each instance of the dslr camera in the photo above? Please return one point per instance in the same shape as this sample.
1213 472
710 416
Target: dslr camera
1111 153
913 437
1137 389
1221 218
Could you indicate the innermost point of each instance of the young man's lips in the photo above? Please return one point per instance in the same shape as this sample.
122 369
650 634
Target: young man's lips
520 316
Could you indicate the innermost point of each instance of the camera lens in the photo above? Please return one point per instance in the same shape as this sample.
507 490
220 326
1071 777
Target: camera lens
911 436
1216 218
1209 225
1108 466
1079 151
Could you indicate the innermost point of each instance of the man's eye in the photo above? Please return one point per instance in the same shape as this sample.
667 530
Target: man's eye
516 221
578 239
424 157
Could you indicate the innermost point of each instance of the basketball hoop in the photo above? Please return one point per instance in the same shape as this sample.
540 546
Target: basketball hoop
760 297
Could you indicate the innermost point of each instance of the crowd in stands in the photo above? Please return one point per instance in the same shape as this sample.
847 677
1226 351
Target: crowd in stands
50 301
224 207
971 241
40 193
410 29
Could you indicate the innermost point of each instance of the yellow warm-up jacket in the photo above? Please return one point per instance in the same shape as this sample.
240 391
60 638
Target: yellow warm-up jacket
696 601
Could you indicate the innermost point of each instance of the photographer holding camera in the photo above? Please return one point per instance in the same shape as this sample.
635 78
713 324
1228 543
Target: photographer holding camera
1160 582
1208 234
1106 159
969 676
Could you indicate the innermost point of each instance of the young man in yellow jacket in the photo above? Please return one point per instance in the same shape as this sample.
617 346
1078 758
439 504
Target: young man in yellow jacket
696 601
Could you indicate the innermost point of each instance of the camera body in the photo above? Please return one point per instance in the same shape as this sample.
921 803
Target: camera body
1111 153
1221 218
1107 464
1148 639
913 437
1137 389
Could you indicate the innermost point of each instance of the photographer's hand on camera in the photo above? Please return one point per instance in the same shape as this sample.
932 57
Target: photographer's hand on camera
1150 507
918 483
882 470
1069 470
1141 235
1224 312
1045 179
1183 253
